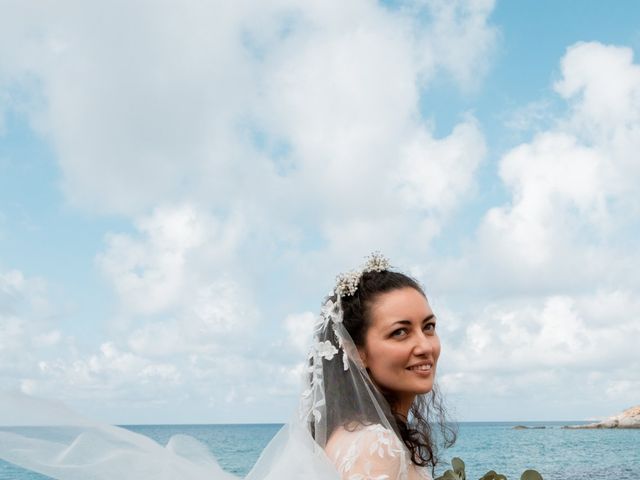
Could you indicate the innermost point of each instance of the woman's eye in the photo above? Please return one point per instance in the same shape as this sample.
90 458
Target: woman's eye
401 332
430 327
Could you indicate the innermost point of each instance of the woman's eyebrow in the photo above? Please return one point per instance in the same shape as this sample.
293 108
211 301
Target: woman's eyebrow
408 322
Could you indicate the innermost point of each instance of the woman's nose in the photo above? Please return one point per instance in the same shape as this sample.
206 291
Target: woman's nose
424 344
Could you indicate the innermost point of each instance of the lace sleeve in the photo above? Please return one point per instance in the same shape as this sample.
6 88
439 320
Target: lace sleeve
372 452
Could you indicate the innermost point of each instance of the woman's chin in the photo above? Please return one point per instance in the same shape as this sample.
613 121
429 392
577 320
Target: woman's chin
425 387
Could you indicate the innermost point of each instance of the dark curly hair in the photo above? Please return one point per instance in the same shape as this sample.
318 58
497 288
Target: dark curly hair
427 411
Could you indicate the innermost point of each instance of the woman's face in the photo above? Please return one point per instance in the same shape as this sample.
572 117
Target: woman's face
401 347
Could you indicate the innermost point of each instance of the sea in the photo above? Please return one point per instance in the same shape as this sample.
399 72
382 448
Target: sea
557 453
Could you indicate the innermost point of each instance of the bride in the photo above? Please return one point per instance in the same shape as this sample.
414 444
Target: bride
366 412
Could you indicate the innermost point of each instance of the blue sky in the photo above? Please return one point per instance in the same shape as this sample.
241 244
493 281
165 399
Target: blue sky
179 187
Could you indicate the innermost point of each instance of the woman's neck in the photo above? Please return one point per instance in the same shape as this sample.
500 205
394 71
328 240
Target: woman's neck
404 405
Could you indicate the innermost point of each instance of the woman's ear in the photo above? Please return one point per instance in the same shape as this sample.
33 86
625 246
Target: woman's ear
363 356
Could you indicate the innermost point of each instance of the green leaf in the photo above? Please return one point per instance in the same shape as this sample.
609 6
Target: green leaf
458 473
490 475
448 475
458 467
531 475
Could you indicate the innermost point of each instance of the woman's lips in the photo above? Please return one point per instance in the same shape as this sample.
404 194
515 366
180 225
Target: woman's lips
423 368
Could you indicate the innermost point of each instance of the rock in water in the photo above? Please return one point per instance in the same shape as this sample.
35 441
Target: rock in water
630 418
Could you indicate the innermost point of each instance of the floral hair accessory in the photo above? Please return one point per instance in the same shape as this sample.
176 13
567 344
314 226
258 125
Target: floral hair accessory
376 262
347 283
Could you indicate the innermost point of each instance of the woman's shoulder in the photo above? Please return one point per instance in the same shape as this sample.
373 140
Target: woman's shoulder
375 435
367 451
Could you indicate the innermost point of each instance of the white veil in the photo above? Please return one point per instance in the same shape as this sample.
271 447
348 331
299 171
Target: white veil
47 438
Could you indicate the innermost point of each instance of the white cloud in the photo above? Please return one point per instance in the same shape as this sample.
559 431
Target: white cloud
182 318
220 315
174 284
553 332
238 137
36 358
555 184
456 26
27 332
603 85
299 328
529 117
234 133
248 106
556 259
109 374
437 174
542 350
151 270
571 190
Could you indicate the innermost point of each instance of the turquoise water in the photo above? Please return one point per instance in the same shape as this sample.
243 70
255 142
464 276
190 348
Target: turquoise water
556 453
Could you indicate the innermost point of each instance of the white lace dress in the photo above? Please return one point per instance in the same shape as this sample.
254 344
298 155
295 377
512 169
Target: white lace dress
372 452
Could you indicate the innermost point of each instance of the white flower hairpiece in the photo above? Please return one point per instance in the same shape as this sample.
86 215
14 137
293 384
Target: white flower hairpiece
376 262
347 283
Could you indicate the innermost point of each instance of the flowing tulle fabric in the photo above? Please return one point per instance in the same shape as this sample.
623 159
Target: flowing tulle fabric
48 438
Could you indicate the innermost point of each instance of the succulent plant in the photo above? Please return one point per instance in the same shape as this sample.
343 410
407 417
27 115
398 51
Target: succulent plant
458 468
458 473
492 475
531 475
